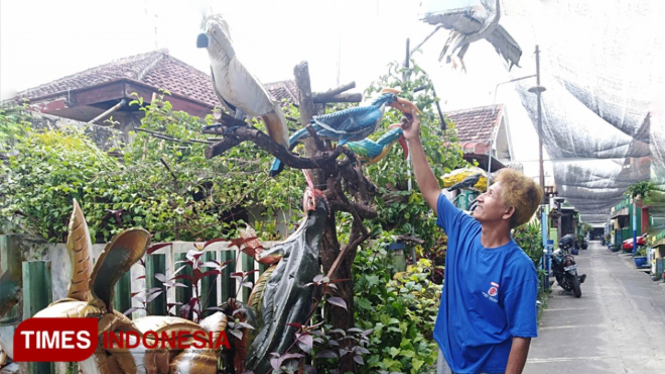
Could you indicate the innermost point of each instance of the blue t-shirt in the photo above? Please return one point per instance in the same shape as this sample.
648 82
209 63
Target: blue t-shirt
489 296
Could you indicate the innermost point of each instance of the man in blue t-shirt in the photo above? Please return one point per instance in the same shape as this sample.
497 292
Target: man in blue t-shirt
488 307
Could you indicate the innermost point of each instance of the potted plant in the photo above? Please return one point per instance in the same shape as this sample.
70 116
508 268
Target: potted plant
640 257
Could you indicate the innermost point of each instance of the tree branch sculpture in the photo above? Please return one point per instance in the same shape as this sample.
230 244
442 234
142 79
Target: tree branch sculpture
338 175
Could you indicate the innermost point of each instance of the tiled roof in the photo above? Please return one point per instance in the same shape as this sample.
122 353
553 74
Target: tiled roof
475 125
133 67
284 90
157 69
178 77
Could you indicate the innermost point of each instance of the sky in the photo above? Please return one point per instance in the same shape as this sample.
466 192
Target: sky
342 40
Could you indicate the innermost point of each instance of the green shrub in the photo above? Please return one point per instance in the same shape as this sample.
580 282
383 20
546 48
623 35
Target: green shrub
401 312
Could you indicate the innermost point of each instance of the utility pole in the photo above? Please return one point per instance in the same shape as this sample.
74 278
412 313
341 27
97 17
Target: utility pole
538 90
405 76
634 226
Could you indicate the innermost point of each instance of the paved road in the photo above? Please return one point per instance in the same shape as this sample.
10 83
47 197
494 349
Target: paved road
617 326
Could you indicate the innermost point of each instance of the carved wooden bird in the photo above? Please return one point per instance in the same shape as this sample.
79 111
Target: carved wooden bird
370 152
237 89
349 125
470 24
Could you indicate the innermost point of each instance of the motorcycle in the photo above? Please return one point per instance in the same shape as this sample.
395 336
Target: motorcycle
564 267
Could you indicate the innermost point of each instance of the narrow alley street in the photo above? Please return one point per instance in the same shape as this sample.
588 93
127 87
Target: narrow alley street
617 326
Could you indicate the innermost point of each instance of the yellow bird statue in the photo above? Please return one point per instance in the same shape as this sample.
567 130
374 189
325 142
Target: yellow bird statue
237 89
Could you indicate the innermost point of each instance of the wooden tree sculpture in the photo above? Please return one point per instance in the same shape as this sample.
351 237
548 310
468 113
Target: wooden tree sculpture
341 177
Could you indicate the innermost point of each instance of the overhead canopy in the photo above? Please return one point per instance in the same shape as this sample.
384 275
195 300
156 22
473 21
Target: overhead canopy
602 63
656 199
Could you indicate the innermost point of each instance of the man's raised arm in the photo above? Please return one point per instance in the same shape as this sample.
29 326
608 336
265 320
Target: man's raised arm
424 176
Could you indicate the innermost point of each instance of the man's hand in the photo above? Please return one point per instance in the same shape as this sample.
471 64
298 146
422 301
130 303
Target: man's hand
410 127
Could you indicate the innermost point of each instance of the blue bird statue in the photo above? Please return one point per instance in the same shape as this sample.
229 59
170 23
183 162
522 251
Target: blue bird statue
370 152
349 125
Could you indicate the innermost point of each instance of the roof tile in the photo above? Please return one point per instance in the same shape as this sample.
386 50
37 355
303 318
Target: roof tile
130 67
162 71
157 69
475 125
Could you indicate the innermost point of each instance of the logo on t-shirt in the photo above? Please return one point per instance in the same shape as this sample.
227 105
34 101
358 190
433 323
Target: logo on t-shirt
492 292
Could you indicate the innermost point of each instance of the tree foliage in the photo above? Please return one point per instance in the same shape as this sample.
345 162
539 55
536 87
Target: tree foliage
403 210
46 169
640 189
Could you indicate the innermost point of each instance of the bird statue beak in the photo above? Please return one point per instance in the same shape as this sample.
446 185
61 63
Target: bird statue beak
405 106
401 140
405 148
202 41
395 91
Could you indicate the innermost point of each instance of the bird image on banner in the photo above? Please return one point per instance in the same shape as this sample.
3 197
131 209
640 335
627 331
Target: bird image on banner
349 125
237 89
472 23
370 152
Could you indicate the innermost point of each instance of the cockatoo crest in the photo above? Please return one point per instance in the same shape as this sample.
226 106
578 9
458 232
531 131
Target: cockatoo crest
217 20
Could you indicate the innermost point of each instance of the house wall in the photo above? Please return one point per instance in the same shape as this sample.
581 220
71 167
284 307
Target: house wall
104 137
502 144
645 220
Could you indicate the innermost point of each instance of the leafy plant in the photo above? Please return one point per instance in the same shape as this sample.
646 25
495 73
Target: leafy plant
579 240
400 312
639 189
193 309
320 342
529 237
586 228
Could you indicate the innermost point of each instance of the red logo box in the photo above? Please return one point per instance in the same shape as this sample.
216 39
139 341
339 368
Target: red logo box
55 339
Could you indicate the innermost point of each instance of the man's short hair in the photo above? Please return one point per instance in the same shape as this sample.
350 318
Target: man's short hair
521 192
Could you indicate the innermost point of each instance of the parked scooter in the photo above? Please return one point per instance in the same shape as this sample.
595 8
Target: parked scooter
565 268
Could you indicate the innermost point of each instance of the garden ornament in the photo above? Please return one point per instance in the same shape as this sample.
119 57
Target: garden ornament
250 245
286 298
91 294
10 294
349 125
470 24
237 89
370 152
